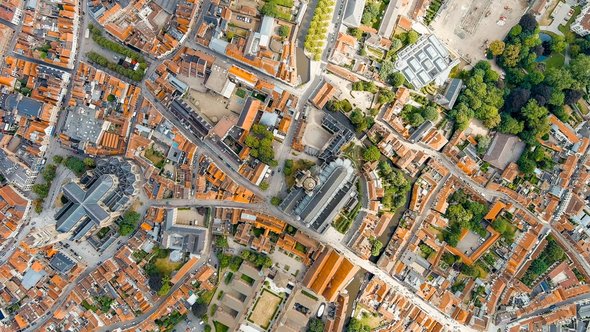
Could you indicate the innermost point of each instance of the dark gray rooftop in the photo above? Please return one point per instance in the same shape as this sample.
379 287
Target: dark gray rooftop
29 107
62 263
84 203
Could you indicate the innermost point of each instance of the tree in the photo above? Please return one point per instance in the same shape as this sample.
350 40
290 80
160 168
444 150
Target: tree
511 55
560 78
415 119
457 213
483 143
42 190
269 9
199 309
111 98
397 79
58 159
526 165
385 168
284 31
376 247
558 44
356 33
275 201
49 173
358 120
315 325
371 153
510 125
386 70
264 185
528 23
430 113
535 118
385 96
128 222
449 258
580 69
89 162
76 165
396 44
412 37
572 96
497 47
517 98
541 93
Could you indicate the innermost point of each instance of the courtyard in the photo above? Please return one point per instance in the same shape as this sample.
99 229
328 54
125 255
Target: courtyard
265 309
315 136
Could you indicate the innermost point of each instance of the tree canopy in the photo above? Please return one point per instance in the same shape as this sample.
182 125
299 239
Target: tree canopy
128 222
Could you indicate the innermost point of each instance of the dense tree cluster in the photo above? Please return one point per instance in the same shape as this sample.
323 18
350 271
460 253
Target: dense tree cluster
396 186
361 121
533 158
415 116
128 222
339 105
551 254
535 89
368 86
260 142
258 259
481 99
371 153
463 213
532 88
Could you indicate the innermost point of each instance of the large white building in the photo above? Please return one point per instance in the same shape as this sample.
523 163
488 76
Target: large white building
581 25
426 61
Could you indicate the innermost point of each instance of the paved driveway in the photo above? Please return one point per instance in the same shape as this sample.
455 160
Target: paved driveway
561 14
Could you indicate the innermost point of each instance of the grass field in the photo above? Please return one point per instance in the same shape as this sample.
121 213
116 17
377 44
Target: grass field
165 266
220 327
265 309
555 61
154 156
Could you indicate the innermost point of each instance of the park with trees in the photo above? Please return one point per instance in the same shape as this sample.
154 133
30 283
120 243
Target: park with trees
536 84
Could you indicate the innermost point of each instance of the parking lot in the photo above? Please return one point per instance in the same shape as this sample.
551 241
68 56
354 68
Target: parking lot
467 26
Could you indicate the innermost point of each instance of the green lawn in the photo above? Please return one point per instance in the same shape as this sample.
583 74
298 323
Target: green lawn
156 157
247 279
583 107
220 327
166 267
241 93
555 61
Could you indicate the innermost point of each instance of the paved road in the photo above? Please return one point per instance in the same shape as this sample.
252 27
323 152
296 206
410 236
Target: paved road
577 299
